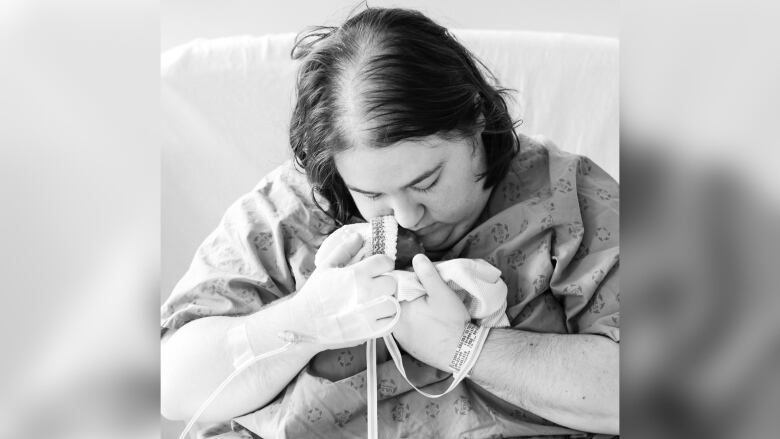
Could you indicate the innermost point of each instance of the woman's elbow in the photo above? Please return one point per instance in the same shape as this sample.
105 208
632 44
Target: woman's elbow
169 411
170 386
170 400
170 407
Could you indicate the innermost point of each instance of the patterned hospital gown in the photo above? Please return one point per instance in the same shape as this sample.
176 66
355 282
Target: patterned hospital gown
551 226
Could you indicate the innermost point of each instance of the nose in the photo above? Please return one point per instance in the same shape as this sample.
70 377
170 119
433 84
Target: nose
407 211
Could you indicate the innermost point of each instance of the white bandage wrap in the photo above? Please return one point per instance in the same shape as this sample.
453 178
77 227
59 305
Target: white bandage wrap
334 322
352 325
238 345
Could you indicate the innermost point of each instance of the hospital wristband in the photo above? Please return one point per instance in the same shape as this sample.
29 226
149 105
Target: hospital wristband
469 347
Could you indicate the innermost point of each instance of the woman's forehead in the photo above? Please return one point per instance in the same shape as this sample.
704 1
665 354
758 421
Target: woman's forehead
368 168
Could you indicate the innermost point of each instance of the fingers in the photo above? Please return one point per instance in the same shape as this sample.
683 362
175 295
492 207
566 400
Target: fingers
338 249
428 275
374 265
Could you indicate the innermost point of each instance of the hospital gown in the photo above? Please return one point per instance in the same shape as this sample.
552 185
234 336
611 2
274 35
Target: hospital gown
550 226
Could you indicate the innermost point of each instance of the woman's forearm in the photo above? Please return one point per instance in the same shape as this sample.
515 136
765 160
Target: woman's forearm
198 357
569 379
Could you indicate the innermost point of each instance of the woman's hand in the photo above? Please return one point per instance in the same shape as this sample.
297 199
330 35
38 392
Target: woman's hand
335 304
338 249
430 327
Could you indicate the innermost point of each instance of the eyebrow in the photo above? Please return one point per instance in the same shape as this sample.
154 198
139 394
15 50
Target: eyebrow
422 177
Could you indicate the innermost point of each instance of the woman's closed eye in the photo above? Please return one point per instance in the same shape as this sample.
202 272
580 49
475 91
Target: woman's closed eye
426 189
416 189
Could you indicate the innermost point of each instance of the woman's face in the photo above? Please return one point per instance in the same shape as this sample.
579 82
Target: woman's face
430 186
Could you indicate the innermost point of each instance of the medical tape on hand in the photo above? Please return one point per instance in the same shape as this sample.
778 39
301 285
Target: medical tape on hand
354 323
336 322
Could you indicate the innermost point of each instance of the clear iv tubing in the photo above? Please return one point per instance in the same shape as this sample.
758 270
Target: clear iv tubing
371 397
291 338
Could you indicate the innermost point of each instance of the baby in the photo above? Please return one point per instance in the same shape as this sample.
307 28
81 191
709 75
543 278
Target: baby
381 235
477 283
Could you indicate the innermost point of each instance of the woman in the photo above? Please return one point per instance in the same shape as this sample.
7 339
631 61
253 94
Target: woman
395 117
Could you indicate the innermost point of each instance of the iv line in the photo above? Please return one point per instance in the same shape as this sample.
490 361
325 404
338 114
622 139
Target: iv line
291 338
290 341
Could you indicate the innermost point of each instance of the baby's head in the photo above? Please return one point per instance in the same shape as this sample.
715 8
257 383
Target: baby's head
407 245
381 235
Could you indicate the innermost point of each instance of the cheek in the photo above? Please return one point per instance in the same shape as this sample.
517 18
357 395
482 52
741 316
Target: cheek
458 201
453 195
440 206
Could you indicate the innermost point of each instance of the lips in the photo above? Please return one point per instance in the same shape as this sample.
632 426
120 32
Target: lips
425 230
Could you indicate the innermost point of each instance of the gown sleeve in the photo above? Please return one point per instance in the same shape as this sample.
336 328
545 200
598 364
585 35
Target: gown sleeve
262 248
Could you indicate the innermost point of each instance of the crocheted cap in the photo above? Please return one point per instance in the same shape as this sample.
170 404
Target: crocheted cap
384 236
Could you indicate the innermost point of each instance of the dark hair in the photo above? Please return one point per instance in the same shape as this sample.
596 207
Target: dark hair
411 79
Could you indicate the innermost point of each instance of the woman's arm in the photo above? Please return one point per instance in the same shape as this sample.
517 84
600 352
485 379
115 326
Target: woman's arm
569 379
197 358
200 355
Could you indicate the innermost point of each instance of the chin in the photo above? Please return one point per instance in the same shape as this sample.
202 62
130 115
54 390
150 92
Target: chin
439 241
